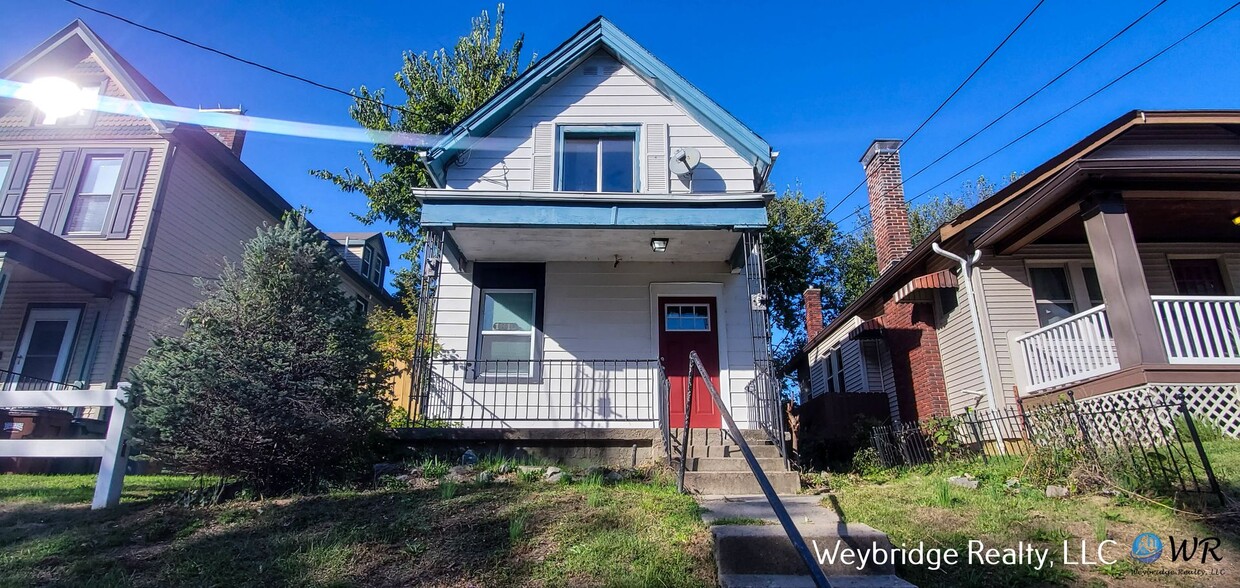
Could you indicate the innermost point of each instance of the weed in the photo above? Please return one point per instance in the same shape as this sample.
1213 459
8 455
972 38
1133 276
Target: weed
434 468
943 496
739 521
1118 569
1100 529
1045 535
447 490
593 480
531 475
596 499
516 526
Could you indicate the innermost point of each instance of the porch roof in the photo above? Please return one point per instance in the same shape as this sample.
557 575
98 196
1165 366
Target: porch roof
59 259
456 208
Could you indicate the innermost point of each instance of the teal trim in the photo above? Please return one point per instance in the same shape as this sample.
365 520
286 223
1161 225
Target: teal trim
600 33
585 214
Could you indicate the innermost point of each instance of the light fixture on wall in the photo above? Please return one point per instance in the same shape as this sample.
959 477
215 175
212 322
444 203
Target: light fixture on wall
1235 220
658 245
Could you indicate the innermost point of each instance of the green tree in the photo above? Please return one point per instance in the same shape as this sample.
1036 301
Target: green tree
859 259
440 89
275 381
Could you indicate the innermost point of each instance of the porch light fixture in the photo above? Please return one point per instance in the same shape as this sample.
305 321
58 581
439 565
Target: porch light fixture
658 245
55 97
1235 220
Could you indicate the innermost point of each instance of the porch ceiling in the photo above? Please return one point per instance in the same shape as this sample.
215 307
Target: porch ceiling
525 244
1166 219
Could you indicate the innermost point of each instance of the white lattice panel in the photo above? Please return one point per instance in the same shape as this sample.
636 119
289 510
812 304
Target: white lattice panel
1218 404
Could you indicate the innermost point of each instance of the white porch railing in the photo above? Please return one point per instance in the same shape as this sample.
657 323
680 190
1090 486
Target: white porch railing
1075 349
1200 329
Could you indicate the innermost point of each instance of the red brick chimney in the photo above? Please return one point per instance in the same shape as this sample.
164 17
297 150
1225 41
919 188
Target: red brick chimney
813 312
233 139
888 210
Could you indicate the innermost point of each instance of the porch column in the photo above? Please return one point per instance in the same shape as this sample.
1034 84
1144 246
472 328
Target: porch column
1138 339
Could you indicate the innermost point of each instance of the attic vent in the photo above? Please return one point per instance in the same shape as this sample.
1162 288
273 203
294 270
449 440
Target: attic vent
590 70
610 69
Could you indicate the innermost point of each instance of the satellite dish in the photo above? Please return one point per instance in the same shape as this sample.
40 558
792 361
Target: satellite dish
683 160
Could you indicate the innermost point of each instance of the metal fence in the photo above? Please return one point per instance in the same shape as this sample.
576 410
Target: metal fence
1148 442
569 392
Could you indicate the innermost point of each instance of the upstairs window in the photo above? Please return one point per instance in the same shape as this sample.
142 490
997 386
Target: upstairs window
93 198
376 270
90 95
598 159
367 258
5 163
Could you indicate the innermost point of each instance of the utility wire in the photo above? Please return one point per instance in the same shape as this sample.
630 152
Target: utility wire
237 58
949 98
1103 88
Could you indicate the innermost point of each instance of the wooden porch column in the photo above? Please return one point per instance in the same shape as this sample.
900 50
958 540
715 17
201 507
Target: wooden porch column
1138 339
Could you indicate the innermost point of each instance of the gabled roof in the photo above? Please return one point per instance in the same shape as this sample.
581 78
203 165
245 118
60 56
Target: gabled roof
600 33
343 237
72 44
1039 183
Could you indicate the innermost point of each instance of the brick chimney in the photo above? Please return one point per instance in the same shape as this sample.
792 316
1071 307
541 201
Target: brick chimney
888 210
233 139
813 312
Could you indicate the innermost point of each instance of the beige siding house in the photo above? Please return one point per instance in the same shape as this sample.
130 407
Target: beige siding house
107 220
1112 269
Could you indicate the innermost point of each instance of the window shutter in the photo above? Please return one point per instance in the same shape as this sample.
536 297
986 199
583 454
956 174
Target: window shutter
126 199
19 175
58 194
657 173
543 171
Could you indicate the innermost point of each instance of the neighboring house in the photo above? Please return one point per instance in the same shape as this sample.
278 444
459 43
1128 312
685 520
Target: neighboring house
106 221
590 225
1112 268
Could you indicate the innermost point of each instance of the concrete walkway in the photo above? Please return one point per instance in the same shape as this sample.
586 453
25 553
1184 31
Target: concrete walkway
753 556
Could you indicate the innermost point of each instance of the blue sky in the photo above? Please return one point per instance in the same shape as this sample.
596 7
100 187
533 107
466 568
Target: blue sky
818 80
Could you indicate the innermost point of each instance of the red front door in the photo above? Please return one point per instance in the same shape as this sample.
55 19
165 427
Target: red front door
690 324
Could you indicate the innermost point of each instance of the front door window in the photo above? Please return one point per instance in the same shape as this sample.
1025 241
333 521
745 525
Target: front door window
43 351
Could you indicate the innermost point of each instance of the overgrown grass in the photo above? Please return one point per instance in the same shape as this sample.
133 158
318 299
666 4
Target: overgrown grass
918 505
629 534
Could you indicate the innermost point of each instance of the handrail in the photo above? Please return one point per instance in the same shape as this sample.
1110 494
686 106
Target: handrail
781 513
1061 323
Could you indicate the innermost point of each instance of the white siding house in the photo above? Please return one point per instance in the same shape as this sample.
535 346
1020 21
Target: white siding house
570 269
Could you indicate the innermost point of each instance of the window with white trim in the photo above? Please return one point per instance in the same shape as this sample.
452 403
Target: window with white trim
598 159
6 162
506 332
367 256
92 198
1060 291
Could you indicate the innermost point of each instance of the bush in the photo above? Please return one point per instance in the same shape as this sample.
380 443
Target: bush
275 381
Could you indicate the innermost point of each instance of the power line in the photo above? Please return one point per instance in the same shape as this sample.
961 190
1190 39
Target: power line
1101 89
1036 92
237 58
949 98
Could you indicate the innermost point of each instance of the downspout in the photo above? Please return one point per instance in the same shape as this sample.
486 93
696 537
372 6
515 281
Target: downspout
966 272
143 263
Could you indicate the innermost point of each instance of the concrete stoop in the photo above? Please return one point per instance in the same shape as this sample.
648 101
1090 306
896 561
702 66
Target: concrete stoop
759 556
716 465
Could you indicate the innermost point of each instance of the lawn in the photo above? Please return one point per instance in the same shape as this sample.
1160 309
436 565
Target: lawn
918 505
518 533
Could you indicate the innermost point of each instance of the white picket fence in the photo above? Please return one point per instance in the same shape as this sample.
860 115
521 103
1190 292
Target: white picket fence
111 449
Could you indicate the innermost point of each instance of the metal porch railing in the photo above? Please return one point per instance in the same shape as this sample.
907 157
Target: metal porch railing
548 392
696 369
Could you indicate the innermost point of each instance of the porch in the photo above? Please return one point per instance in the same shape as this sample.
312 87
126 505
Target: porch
60 311
1155 274
575 313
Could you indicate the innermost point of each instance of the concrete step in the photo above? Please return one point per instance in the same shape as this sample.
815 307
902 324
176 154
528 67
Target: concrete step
733 483
735 463
766 549
788 581
759 451
720 437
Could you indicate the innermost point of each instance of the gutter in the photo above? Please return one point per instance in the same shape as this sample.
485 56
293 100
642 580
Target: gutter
966 272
